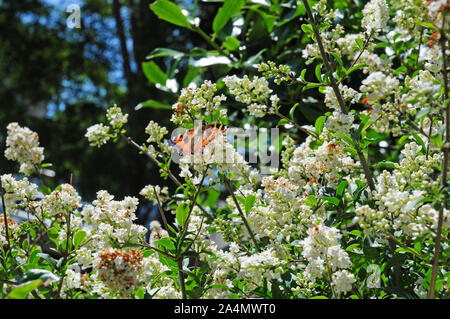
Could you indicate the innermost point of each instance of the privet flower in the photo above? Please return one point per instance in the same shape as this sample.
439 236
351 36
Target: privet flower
119 270
156 133
22 145
149 193
282 72
375 15
397 201
97 135
62 202
116 118
342 281
108 221
192 101
322 249
255 93
328 162
18 194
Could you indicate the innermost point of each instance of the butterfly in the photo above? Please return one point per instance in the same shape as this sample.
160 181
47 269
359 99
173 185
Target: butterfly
197 138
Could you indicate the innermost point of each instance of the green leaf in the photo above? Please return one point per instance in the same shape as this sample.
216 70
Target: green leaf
154 73
351 150
292 110
170 12
228 10
360 43
426 25
307 28
352 247
22 291
320 122
181 214
302 74
249 201
310 86
356 67
78 238
190 75
166 243
53 234
437 140
231 43
43 274
345 138
422 113
341 188
386 164
164 52
420 142
318 72
44 189
153 104
338 58
335 201
283 122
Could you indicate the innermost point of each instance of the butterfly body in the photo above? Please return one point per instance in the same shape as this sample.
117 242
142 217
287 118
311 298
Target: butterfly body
195 139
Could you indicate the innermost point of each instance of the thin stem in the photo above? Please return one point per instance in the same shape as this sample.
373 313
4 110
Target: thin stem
194 201
181 277
429 136
446 150
366 43
161 212
244 219
338 95
297 125
212 43
154 160
140 148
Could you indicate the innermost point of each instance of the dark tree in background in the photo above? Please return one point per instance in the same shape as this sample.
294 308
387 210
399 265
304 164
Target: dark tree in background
58 81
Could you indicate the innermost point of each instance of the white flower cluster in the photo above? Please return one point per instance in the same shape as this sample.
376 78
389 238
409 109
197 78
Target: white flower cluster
323 252
18 193
218 154
398 203
379 86
61 202
119 270
97 134
110 221
347 46
255 93
337 122
435 9
327 162
348 94
422 88
156 132
116 118
192 101
22 145
149 193
282 72
375 15
251 269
